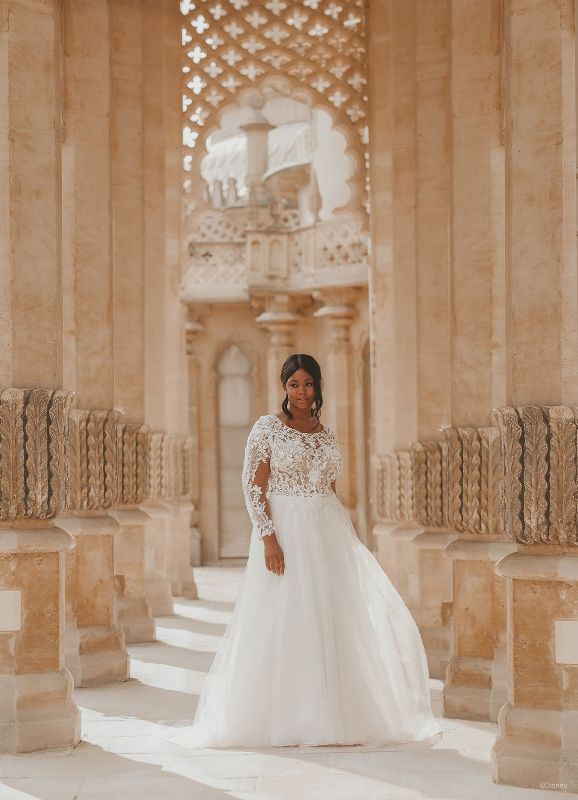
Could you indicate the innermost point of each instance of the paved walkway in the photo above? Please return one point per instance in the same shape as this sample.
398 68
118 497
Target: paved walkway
123 755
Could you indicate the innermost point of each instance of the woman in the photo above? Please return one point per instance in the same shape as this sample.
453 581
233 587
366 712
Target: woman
321 649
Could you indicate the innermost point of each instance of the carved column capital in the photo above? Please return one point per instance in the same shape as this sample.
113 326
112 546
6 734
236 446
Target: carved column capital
133 447
93 459
429 462
34 469
279 319
474 480
394 486
539 467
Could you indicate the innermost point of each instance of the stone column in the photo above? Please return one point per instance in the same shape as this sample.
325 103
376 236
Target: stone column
36 703
257 135
337 313
279 319
165 366
537 740
134 615
475 682
128 240
392 87
95 650
433 314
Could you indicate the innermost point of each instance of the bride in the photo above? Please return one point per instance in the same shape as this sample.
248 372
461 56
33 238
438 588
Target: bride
320 649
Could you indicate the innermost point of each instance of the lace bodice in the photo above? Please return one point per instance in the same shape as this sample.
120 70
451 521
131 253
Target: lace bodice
288 462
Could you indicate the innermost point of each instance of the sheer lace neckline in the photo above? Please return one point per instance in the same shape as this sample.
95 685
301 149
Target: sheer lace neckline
302 433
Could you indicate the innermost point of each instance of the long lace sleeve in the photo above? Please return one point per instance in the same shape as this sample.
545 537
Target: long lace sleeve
256 475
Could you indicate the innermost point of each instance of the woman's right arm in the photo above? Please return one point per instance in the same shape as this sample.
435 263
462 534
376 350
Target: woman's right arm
256 469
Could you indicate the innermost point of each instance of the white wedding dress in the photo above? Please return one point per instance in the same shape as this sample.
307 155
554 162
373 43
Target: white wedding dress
326 653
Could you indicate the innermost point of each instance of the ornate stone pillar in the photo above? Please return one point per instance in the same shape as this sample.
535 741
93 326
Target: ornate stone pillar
95 649
430 464
475 686
36 703
537 726
537 740
132 257
279 319
134 615
38 711
337 313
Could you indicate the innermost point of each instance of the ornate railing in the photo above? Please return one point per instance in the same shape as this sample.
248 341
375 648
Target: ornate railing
283 259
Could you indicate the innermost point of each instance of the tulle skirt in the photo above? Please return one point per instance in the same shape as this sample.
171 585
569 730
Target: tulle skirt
327 653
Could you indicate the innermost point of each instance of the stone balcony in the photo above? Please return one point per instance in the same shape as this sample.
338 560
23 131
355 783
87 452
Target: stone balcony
293 260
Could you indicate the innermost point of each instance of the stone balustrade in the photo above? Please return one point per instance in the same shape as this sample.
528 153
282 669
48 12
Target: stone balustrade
333 253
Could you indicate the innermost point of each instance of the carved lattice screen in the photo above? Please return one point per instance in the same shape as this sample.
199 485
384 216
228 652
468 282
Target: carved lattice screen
312 45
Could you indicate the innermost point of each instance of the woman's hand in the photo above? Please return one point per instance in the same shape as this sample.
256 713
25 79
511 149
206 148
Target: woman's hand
274 560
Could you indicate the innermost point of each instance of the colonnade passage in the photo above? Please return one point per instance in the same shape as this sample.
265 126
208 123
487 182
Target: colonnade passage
191 192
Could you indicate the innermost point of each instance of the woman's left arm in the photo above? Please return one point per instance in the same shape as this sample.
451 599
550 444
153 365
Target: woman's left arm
333 487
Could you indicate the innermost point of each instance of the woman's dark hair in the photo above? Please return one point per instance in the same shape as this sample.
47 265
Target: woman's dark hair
310 365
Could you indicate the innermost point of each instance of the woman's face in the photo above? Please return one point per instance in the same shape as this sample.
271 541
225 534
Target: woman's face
300 390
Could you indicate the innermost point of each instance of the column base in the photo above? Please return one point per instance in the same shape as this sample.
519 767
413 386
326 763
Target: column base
135 619
103 656
385 548
435 598
196 539
536 748
157 586
38 712
95 652
133 610
158 593
407 561
476 677
537 742
468 688
190 591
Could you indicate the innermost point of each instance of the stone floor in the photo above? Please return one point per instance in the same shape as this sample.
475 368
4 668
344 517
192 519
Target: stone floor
123 755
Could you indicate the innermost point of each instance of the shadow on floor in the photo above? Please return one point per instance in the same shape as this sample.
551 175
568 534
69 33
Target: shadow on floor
91 772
